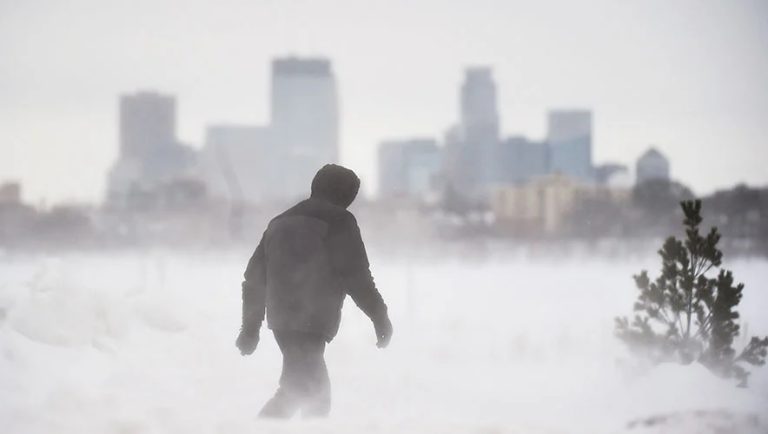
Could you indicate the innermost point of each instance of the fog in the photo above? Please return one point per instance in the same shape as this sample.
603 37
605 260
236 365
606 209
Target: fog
143 342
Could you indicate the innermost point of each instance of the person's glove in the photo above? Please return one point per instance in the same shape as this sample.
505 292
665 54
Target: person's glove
247 341
383 327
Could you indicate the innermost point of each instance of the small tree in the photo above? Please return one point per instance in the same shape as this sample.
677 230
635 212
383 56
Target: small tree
684 315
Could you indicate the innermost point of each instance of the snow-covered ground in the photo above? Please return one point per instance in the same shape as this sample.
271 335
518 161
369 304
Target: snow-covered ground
144 343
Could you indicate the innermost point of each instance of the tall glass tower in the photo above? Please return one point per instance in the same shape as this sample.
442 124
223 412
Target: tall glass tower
304 119
570 141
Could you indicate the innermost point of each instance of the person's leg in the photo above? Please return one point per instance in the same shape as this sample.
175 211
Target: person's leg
289 394
317 401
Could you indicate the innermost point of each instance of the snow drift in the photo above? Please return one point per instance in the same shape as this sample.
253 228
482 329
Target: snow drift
144 343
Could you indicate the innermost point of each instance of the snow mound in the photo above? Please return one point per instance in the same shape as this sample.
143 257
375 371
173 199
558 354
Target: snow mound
701 422
672 387
56 307
69 316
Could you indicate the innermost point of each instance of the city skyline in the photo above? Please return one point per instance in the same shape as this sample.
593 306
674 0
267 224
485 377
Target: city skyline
664 80
277 159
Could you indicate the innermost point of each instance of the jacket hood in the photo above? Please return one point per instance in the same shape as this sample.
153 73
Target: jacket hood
336 184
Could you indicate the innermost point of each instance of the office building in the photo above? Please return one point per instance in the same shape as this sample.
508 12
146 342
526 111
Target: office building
569 135
239 164
479 113
304 119
520 160
610 174
147 123
408 168
149 152
652 165
470 165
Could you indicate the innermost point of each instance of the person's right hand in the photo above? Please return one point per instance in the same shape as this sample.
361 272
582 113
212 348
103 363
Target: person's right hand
383 328
247 342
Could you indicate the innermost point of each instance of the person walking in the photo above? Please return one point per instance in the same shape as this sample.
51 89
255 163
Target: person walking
309 259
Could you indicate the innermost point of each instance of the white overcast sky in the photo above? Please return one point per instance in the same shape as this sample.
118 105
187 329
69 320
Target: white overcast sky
690 77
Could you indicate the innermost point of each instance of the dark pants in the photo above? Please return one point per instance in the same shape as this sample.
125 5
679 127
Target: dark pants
304 383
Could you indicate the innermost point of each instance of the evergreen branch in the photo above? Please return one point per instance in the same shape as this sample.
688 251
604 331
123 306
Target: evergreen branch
705 326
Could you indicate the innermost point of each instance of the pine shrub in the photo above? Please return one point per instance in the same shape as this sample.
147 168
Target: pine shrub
688 313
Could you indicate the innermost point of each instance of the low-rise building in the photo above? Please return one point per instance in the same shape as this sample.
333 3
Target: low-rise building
10 193
240 164
543 205
408 168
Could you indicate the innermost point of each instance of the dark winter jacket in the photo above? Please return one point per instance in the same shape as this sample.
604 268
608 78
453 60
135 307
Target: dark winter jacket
310 257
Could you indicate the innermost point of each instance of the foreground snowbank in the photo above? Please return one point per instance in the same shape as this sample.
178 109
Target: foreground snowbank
143 343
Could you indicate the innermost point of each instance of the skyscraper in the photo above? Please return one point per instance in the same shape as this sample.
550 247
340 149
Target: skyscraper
470 166
652 165
147 122
305 122
479 114
570 142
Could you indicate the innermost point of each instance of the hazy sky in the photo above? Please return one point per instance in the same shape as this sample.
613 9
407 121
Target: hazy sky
690 77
